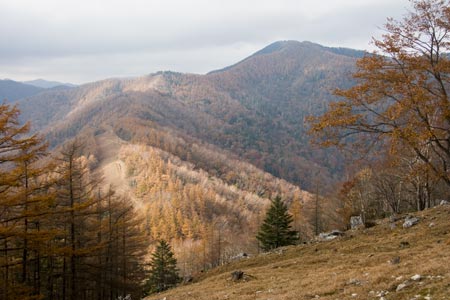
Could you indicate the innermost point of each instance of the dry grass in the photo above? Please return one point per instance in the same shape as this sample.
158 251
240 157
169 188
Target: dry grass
356 266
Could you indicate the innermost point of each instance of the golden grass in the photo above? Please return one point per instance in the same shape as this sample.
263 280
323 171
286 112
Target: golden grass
356 266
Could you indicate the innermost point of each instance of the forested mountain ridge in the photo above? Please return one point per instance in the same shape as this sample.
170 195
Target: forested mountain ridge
13 90
190 150
254 109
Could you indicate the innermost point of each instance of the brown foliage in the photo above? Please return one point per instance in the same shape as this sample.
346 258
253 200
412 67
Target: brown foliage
401 99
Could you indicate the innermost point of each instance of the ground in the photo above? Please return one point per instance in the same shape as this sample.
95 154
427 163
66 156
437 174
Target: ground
112 168
363 264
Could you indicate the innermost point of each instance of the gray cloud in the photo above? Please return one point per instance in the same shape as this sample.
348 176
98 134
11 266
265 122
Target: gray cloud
81 41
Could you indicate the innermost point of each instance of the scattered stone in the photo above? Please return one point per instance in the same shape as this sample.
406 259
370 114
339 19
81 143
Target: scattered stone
404 244
416 277
240 256
444 202
403 285
410 221
431 224
237 275
328 236
395 260
354 282
188 279
354 295
382 293
356 222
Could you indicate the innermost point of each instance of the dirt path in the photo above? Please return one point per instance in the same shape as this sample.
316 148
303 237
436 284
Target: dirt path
112 168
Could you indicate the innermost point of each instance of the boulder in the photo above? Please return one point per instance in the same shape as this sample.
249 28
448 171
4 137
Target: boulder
403 285
356 222
237 275
395 260
328 236
410 221
416 277
188 279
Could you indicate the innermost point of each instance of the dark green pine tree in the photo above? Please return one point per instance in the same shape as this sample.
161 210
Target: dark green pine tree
276 229
164 272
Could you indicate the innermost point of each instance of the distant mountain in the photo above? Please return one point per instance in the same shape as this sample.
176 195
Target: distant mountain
47 84
12 90
255 109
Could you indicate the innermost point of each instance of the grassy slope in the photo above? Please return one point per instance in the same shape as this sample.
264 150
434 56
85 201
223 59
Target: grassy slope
356 266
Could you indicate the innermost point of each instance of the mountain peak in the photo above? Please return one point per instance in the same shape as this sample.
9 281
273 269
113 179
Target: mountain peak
292 48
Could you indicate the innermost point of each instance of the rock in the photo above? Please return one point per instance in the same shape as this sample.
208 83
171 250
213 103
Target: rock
402 285
431 224
240 256
328 236
404 244
237 275
354 282
395 260
382 293
410 221
354 295
188 279
444 202
356 222
416 277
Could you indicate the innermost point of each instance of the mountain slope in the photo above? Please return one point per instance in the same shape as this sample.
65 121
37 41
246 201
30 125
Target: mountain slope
367 264
13 90
254 109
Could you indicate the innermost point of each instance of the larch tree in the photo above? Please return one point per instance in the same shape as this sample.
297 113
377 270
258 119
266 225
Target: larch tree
400 100
21 201
276 229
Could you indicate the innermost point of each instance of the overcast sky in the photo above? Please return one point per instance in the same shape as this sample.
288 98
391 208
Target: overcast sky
80 41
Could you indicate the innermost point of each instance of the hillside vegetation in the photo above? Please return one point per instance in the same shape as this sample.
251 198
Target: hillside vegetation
255 109
363 264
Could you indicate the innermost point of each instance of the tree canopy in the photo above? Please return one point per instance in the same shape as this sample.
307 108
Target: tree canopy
276 229
164 272
401 97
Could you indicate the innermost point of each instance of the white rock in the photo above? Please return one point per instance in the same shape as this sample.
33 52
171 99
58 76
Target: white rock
416 277
410 221
354 295
401 286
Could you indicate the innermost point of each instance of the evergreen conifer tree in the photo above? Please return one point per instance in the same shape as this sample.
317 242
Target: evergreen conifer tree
276 229
164 272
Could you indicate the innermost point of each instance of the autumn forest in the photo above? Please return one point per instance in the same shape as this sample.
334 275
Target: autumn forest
97 178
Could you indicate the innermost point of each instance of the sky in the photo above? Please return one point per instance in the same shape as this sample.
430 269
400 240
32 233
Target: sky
81 41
